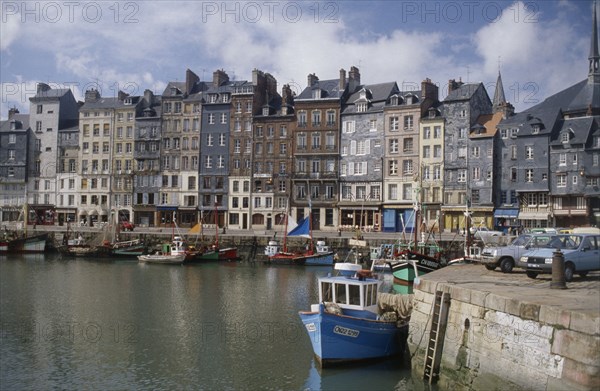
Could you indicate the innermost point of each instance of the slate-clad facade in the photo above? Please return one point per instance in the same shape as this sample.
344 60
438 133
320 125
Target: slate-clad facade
462 107
362 153
14 155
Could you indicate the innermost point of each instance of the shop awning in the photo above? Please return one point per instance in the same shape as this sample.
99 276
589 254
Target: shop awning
506 213
82 213
533 216
166 208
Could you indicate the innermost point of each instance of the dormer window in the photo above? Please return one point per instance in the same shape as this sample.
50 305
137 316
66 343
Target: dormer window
362 107
225 98
566 136
127 101
535 129
265 111
316 93
212 98
394 100
432 113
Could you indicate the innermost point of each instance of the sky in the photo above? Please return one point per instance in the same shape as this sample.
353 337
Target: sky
540 47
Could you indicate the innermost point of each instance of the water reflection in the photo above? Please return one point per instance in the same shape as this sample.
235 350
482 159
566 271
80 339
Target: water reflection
84 324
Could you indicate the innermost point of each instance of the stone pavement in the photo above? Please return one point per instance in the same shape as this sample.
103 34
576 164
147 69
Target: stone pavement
517 294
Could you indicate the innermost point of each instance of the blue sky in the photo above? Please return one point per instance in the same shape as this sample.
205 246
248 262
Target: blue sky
541 47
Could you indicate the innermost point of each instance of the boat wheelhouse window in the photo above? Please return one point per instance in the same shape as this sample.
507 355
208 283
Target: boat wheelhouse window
327 292
370 298
354 294
340 293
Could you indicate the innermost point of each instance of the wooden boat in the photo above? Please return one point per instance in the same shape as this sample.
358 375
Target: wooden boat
28 244
319 256
344 326
162 258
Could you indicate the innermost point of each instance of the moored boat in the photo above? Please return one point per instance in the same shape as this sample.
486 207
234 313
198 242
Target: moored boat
28 244
162 258
345 327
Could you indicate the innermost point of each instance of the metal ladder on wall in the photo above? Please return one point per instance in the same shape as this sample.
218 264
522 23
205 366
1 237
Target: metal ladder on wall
435 346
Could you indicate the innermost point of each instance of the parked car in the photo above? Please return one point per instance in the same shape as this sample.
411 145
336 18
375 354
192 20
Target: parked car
506 257
581 253
127 225
484 233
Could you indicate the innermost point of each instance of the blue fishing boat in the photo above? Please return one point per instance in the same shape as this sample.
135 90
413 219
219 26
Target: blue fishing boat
345 327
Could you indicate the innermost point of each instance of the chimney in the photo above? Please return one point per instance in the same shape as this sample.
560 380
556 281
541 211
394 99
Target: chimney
122 95
219 77
271 84
149 97
190 81
354 76
12 112
342 79
429 90
454 85
312 79
42 87
92 95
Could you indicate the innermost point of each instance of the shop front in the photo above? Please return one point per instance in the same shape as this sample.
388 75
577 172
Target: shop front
144 216
367 218
506 219
66 215
41 214
399 220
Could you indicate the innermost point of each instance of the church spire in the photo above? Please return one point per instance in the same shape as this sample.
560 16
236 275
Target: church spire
499 99
594 58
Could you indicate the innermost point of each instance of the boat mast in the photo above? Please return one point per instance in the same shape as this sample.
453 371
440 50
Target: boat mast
216 226
285 226
311 249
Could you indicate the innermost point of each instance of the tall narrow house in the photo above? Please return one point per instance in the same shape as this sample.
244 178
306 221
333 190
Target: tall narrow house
316 149
50 110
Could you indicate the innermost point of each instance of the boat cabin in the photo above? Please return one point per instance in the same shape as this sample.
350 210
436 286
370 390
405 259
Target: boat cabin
350 293
322 248
272 248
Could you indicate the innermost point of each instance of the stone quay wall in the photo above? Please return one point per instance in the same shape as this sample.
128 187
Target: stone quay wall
503 341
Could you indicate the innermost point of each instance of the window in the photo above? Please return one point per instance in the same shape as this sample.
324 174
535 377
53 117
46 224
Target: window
407 167
302 118
513 152
529 175
407 192
348 127
529 152
394 123
330 117
562 159
12 138
211 118
408 122
574 179
393 167
476 173
408 145
513 174
11 154
393 191
316 140
393 145
316 118
462 133
426 133
475 151
39 109
437 132
462 175
437 151
564 137
223 118
504 133
561 180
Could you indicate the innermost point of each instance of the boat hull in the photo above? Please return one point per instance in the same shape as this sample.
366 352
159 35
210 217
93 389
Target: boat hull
28 245
228 254
162 259
404 271
340 339
325 259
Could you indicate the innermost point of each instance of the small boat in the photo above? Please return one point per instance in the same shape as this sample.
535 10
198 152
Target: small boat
28 244
127 248
162 258
321 255
344 326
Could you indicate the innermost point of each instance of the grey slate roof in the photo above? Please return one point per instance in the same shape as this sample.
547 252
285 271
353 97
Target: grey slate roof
51 93
103 103
582 128
377 94
330 89
464 92
23 118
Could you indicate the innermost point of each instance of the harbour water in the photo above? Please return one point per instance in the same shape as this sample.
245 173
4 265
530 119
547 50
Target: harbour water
84 324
